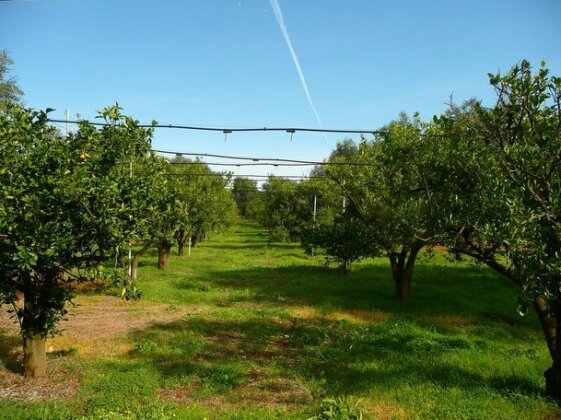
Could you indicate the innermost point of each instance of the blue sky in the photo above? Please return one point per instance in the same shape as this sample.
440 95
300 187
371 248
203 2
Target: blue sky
225 62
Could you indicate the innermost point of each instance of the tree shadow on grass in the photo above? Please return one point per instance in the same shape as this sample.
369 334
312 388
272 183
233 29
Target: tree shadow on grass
329 358
437 291
9 356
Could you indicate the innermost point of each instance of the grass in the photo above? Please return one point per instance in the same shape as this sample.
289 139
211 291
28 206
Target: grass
243 329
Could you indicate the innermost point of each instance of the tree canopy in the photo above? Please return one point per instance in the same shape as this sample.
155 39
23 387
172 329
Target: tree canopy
10 92
510 219
62 213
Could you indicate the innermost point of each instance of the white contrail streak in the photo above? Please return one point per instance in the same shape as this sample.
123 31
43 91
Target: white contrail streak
278 15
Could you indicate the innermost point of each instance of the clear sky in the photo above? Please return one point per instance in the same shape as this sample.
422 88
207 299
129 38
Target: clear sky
225 63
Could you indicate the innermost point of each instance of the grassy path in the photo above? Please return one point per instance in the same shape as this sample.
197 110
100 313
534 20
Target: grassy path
255 330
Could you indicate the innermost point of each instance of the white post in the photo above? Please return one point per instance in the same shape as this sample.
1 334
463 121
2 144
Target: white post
189 245
344 198
315 211
315 206
130 243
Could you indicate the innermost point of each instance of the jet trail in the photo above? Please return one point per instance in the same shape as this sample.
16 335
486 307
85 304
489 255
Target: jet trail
278 15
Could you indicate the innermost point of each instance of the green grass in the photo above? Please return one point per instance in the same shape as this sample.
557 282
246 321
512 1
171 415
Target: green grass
271 333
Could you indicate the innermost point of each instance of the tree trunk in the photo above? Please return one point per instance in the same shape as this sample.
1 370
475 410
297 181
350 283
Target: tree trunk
343 267
34 356
403 287
550 319
181 241
193 241
547 321
402 265
136 259
553 383
134 267
163 255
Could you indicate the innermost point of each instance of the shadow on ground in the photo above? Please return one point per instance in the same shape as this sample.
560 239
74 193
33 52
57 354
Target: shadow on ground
456 292
9 355
329 357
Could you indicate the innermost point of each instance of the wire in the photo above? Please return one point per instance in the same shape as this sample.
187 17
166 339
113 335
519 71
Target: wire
256 159
290 130
241 164
248 175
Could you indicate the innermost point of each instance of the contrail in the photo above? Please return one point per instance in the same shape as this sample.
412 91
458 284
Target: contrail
278 15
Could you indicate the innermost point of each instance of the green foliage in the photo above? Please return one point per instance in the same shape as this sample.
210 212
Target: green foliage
64 208
509 216
285 207
342 408
391 192
163 412
203 205
244 191
345 240
506 212
9 90
129 290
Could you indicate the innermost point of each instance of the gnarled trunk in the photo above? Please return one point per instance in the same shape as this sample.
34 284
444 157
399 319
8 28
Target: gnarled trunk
402 265
34 356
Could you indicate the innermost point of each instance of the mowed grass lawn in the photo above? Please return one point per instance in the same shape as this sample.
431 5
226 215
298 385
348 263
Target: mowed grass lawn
246 329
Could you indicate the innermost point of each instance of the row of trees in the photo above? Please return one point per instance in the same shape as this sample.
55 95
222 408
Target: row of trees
71 206
483 181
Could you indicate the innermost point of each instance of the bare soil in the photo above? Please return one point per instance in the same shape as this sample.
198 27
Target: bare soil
97 326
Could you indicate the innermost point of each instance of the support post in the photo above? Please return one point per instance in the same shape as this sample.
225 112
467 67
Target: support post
315 206
315 211
130 243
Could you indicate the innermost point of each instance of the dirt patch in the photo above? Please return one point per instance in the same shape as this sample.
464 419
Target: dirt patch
181 395
277 392
98 326
59 386
260 392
